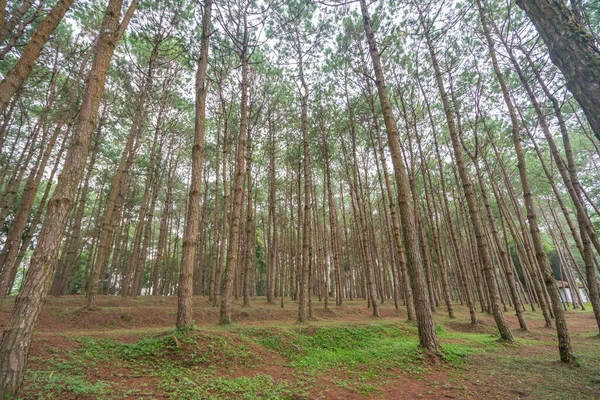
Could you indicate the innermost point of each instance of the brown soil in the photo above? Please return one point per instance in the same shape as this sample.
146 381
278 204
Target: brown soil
482 377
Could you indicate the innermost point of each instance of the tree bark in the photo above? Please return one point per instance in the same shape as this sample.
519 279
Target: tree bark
564 341
15 77
238 185
185 288
16 340
572 49
474 214
427 335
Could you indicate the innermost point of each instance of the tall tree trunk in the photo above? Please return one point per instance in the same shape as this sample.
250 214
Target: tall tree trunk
217 281
16 340
303 298
564 341
250 243
113 209
475 217
238 186
160 262
15 77
427 335
272 217
397 234
13 237
190 235
59 285
572 49
333 221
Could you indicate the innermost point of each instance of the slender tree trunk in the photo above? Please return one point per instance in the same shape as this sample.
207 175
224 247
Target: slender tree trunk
304 276
564 341
272 218
15 19
234 227
427 335
476 222
218 273
250 243
15 77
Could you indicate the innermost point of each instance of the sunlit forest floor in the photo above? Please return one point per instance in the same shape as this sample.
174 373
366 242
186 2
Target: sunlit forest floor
129 349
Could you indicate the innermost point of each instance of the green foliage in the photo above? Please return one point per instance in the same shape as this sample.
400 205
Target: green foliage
182 385
53 384
379 346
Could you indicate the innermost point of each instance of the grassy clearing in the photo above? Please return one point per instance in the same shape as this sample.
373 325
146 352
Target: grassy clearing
205 364
283 360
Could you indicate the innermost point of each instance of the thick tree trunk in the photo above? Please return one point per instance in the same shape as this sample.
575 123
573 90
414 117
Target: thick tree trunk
572 49
190 235
59 285
16 339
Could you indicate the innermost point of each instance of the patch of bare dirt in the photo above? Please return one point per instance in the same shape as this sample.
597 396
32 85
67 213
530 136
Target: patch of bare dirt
467 327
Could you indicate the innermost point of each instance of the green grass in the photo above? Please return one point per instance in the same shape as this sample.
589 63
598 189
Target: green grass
50 384
205 364
185 384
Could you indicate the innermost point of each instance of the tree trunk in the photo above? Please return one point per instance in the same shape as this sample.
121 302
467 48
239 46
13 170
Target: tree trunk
17 336
572 49
186 282
475 217
15 77
564 341
238 183
427 335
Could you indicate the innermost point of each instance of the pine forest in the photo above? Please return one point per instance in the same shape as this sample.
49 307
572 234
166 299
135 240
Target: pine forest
299 199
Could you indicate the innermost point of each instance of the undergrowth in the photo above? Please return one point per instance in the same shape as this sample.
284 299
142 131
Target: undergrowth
222 362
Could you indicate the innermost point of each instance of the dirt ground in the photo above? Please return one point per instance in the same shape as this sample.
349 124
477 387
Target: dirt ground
530 369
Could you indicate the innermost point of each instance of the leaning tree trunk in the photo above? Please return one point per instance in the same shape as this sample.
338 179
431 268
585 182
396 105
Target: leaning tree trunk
397 235
114 206
17 336
15 77
475 217
427 335
564 341
7 27
572 49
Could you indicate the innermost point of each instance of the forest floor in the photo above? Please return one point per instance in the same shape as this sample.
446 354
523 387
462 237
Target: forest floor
128 349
